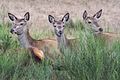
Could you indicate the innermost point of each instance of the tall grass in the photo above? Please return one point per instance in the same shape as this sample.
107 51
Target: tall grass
93 60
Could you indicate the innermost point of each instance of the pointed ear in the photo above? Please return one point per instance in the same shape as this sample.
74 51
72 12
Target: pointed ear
27 16
66 17
51 19
98 14
12 17
85 14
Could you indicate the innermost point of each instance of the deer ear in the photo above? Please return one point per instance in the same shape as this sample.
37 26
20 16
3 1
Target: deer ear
85 14
66 17
12 17
51 19
27 16
98 14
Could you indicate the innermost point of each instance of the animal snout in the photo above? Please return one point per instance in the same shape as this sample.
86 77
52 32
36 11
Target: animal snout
12 31
60 32
100 29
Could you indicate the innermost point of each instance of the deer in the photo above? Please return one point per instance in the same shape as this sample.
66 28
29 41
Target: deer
92 22
59 26
40 48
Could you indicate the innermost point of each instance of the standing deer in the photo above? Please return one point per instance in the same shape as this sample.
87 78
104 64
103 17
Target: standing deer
59 25
97 30
38 47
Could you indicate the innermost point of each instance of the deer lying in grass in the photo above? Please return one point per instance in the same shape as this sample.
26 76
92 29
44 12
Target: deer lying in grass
40 48
92 21
59 25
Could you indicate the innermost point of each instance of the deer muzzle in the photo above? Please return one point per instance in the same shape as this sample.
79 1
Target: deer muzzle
12 31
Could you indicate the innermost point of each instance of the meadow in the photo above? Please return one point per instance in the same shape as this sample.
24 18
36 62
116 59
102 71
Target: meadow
93 59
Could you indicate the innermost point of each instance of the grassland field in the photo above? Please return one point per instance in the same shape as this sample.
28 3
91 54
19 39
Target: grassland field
93 60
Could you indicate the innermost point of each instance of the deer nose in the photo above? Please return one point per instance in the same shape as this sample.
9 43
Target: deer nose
100 29
60 32
12 31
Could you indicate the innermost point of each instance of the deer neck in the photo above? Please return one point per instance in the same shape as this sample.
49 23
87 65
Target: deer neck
25 39
62 41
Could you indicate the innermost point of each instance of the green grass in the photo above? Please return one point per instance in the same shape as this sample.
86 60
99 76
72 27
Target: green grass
93 60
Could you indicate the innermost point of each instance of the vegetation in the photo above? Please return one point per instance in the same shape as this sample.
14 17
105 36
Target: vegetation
93 60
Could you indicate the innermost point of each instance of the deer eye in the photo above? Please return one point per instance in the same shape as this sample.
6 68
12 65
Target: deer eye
54 26
21 24
89 22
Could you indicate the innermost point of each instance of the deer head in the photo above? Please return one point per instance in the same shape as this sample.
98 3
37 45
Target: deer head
19 25
59 25
93 21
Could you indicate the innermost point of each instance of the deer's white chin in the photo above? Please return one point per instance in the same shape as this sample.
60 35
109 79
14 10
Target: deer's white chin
18 33
58 35
98 32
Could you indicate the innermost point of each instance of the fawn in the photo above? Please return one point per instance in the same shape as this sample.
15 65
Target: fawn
95 27
40 48
59 25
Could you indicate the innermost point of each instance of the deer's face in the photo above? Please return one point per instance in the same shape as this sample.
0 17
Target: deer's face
18 25
93 21
58 28
59 25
